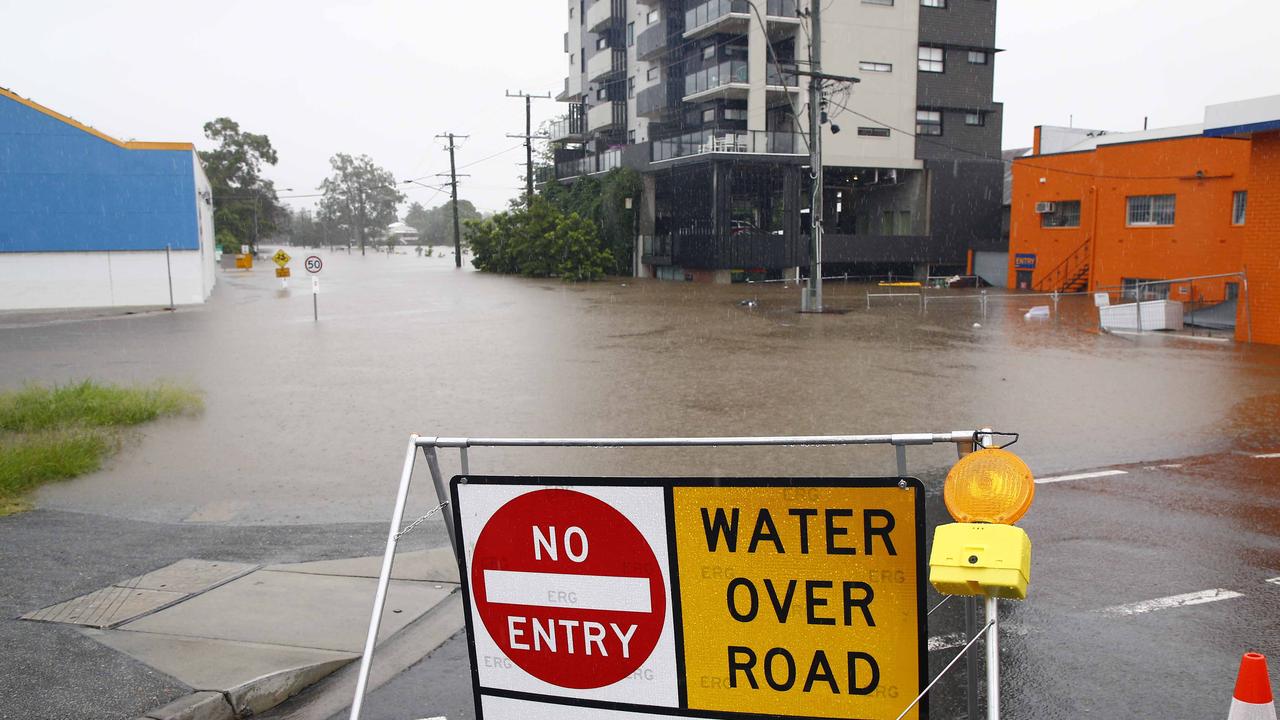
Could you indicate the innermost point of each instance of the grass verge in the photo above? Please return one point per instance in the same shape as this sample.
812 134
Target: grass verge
50 433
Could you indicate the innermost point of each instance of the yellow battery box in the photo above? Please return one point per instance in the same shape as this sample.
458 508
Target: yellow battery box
980 559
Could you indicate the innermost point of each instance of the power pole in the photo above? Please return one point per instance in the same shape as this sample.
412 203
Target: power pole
528 139
453 192
813 299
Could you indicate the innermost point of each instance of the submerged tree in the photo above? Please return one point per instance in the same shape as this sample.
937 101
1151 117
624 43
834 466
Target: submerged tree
360 195
539 241
245 206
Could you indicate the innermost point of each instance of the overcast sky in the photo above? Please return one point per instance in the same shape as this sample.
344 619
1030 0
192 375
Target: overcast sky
383 78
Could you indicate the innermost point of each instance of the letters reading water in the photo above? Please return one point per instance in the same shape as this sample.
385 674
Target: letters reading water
876 524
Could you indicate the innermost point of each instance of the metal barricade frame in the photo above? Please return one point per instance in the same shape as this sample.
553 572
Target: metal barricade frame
966 441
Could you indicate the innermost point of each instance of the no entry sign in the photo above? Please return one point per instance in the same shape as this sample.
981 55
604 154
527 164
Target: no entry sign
637 598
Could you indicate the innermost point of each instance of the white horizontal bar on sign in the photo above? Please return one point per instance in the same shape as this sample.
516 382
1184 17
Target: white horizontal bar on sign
1195 598
500 708
1079 476
585 592
1267 456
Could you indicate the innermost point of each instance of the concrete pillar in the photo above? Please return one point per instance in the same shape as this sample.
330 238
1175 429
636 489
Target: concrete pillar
757 65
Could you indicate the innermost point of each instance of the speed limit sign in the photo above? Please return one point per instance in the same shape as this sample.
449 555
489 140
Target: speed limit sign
313 264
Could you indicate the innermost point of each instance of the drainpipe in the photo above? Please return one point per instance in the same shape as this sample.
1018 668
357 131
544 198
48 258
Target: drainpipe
1093 240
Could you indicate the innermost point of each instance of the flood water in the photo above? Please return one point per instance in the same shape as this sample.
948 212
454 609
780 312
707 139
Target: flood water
307 421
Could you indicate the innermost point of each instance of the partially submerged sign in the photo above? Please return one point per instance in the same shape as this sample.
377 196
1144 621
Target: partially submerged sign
633 598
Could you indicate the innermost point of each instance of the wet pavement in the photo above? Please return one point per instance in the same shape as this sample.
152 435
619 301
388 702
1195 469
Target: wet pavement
306 422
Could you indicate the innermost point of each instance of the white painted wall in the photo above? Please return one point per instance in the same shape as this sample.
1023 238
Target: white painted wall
204 226
853 32
30 281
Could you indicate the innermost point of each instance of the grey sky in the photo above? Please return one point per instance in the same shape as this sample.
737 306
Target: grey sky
383 78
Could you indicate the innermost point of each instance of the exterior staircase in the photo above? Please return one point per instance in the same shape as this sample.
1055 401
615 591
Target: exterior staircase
1069 276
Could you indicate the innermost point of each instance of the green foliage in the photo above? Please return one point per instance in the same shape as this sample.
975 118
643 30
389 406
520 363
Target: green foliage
305 229
59 432
435 225
241 196
539 241
359 196
603 203
227 241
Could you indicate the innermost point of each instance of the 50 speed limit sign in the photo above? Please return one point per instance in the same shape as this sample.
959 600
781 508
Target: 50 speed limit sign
313 264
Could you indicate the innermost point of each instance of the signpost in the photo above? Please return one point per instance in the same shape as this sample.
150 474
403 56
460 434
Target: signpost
632 598
314 265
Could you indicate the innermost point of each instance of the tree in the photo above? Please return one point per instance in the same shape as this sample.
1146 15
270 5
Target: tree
419 219
245 206
435 225
539 241
603 203
359 194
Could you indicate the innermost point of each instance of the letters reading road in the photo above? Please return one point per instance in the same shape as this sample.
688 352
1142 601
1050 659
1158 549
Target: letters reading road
669 598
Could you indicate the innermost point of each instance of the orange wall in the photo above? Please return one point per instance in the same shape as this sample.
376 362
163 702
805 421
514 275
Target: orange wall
1262 240
1201 241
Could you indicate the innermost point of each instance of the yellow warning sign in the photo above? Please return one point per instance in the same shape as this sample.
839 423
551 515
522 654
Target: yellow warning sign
282 272
801 600
281 258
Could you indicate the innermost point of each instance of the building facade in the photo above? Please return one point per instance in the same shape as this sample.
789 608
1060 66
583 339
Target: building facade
87 220
708 100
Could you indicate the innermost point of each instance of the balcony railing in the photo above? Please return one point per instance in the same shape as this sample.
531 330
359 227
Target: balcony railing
589 164
727 72
600 64
652 100
652 41
771 142
699 18
574 124
599 14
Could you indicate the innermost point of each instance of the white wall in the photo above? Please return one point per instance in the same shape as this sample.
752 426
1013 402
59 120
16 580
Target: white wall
853 32
31 281
204 227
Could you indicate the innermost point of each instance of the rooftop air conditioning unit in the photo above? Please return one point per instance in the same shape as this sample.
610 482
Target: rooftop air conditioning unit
1044 207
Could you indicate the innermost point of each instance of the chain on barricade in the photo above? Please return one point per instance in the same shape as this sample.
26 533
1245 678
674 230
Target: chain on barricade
410 527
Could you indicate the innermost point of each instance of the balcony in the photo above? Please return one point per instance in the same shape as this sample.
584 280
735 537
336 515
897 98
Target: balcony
599 15
734 16
572 126
652 42
600 64
652 101
600 117
752 142
589 164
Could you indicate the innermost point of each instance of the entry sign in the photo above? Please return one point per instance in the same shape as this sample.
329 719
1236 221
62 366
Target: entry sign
627 598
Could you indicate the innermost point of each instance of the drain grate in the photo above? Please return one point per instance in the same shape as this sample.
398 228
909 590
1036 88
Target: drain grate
131 599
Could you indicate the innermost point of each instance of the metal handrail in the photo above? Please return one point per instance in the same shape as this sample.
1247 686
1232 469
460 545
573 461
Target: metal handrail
1061 268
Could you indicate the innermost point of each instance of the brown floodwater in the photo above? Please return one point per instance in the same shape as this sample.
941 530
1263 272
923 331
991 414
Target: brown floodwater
307 421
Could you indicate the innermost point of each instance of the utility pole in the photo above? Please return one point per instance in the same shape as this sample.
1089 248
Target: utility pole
528 139
453 192
813 299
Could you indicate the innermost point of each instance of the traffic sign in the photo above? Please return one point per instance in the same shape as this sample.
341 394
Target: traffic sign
313 264
282 272
281 258
634 598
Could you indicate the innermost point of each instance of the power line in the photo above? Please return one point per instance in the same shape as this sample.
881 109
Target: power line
528 138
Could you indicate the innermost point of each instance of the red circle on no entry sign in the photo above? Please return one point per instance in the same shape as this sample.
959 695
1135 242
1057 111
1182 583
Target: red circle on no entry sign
568 588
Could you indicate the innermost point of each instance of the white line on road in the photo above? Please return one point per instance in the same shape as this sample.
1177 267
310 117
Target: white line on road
1274 580
1080 476
1267 456
1195 598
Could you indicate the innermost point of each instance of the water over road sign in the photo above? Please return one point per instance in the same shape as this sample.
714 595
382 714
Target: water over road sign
281 258
637 598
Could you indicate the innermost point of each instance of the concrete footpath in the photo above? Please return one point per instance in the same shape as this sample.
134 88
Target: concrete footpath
226 632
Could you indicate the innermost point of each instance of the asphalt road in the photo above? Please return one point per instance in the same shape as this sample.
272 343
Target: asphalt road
1087 642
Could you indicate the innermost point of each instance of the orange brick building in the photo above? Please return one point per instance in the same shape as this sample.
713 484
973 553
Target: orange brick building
1258 120
1093 210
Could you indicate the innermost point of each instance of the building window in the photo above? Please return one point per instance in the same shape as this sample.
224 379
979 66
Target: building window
572 58
931 59
1151 209
571 11
1239 199
878 2
708 52
652 73
631 34
975 118
933 3
582 62
873 132
735 114
651 17
869 66
1065 214
631 137
709 115
631 86
928 122
977 57
602 42
602 94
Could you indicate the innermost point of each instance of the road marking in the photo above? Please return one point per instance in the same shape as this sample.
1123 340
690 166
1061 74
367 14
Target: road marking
946 642
587 592
1267 456
1080 476
1274 580
1195 598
